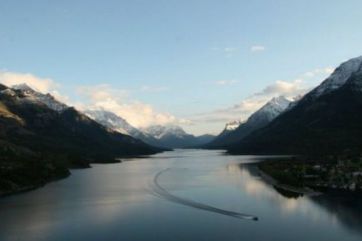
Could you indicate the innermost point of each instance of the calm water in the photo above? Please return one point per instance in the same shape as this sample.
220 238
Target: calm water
174 196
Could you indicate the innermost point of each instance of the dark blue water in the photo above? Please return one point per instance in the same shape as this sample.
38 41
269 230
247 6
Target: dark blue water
175 196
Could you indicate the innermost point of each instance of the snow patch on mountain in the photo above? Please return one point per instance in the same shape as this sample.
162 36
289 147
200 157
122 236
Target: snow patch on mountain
271 109
158 131
31 95
339 77
111 120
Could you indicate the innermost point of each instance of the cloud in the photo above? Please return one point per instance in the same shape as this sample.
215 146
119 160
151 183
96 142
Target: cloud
257 48
286 88
317 72
242 110
99 96
44 85
62 98
226 82
246 107
118 101
101 92
228 51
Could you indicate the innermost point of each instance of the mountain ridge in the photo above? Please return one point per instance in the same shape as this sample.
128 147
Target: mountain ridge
40 144
325 121
257 120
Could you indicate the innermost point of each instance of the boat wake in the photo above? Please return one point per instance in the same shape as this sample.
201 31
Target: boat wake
161 192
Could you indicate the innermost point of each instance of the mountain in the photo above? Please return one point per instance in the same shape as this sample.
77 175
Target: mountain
169 136
31 95
327 120
39 143
338 78
46 117
117 123
201 140
172 136
236 131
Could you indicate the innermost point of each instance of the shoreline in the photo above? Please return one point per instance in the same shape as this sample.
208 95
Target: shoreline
272 181
312 177
29 188
32 187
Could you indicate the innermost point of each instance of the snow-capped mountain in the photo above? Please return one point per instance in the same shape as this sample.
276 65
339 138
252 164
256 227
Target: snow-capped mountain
159 132
173 136
29 94
111 120
327 120
117 123
339 77
259 119
270 110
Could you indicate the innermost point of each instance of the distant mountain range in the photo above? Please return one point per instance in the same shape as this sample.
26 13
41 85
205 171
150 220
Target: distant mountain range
117 123
326 121
172 136
168 136
236 131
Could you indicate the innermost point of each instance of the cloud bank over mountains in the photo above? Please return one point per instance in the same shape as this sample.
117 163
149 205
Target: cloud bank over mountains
101 96
243 109
140 114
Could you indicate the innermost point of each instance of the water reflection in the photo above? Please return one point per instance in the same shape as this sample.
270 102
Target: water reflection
348 210
345 209
111 202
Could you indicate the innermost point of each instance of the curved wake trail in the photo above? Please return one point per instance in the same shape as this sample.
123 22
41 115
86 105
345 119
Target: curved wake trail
159 191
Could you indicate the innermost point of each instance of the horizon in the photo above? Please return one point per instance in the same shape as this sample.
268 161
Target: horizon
150 64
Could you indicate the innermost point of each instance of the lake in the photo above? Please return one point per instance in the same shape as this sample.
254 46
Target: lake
175 196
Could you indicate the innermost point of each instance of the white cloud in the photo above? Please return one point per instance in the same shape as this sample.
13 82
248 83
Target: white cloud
44 85
286 88
246 107
226 82
242 110
141 114
230 50
135 112
101 92
318 72
99 96
257 48
62 98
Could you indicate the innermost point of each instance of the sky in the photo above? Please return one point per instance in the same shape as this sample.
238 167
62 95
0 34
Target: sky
195 63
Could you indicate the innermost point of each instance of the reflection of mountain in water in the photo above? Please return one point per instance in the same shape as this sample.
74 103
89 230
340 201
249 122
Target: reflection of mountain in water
254 172
348 209
287 194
